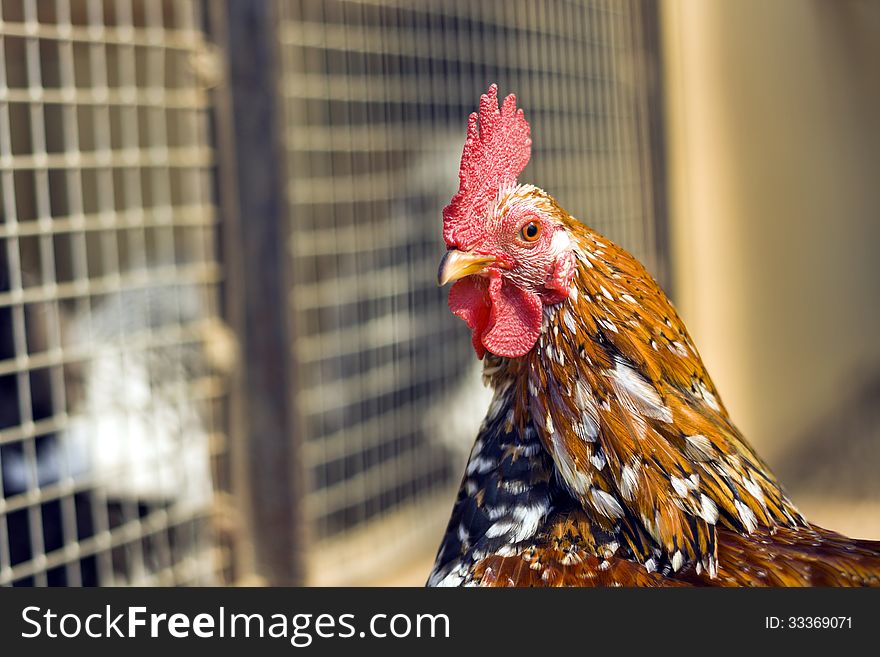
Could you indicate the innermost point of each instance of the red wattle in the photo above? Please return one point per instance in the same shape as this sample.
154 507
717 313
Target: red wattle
503 318
514 321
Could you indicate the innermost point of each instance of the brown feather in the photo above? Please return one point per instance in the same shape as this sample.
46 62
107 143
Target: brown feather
807 556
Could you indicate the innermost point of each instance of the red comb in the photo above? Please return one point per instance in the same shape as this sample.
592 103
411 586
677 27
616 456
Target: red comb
494 155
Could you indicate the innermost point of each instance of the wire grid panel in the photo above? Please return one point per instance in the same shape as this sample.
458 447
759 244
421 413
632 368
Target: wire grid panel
376 97
110 389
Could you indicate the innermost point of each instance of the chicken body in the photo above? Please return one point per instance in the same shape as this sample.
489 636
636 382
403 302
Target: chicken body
607 456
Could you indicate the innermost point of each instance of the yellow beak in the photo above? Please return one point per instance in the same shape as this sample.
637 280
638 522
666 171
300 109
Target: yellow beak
458 264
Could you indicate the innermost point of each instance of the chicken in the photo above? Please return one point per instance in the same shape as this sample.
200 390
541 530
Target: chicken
607 457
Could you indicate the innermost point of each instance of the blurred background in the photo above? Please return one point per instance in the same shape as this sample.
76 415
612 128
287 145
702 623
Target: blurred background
224 358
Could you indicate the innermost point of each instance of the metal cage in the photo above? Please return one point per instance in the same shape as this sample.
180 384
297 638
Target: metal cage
112 355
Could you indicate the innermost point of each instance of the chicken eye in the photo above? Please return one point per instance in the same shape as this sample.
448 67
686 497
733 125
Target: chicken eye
531 231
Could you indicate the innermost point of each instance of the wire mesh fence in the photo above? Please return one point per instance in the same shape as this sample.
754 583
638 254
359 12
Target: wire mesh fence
375 97
111 353
115 428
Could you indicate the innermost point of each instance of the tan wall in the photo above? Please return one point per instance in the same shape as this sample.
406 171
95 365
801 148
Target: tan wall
774 146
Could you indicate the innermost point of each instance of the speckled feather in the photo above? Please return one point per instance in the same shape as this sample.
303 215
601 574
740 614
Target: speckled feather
612 430
607 456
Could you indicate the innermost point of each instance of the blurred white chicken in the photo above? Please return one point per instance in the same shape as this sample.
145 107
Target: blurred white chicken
139 421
